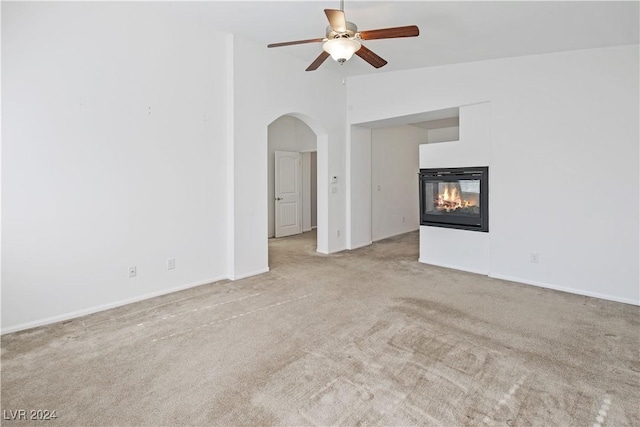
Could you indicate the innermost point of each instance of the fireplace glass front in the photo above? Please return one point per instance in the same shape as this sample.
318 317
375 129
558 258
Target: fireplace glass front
455 198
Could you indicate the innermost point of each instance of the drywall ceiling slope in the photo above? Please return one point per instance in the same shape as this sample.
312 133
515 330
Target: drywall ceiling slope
451 32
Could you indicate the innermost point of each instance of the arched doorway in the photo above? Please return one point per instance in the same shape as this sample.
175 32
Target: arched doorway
288 134
298 133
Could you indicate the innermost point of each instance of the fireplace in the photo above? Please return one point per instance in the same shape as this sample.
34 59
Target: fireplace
455 198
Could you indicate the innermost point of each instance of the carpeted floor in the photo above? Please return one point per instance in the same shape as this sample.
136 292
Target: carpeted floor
366 337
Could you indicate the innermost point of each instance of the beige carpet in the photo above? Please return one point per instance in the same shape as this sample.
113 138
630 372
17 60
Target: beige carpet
367 337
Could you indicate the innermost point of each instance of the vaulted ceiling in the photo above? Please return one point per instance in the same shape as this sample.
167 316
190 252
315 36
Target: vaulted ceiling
450 31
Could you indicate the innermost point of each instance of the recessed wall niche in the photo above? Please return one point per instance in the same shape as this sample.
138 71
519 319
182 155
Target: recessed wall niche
442 126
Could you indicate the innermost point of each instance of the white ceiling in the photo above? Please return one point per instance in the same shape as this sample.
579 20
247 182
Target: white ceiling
450 31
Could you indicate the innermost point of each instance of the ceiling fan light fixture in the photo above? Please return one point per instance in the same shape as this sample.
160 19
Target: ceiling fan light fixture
341 49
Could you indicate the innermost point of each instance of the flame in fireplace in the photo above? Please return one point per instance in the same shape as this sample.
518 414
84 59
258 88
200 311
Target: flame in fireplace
450 199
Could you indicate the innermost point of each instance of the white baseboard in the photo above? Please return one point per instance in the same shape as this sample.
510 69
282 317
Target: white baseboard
360 245
396 234
333 251
538 284
565 289
454 267
252 273
103 307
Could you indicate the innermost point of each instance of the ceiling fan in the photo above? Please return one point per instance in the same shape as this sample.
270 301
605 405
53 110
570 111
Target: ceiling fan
343 40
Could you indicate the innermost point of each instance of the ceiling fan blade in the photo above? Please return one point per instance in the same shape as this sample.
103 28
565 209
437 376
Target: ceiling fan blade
336 20
390 33
370 57
295 42
319 60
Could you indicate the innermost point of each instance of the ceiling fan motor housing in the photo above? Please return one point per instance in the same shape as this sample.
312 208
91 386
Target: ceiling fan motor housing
351 31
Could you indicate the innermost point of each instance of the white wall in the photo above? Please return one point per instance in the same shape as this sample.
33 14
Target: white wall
113 156
313 173
309 190
287 134
133 135
445 134
306 191
394 180
359 187
564 137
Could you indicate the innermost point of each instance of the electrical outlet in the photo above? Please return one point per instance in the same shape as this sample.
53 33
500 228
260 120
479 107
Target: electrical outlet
133 271
338 233
171 264
403 218
535 257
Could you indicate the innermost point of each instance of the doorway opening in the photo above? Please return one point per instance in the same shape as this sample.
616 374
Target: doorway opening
292 171
383 165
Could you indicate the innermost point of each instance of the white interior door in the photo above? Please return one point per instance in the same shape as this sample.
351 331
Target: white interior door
288 193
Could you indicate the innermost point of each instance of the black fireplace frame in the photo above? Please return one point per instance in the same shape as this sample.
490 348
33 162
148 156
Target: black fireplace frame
449 220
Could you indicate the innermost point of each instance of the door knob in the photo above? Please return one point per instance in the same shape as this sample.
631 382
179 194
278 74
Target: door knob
278 198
